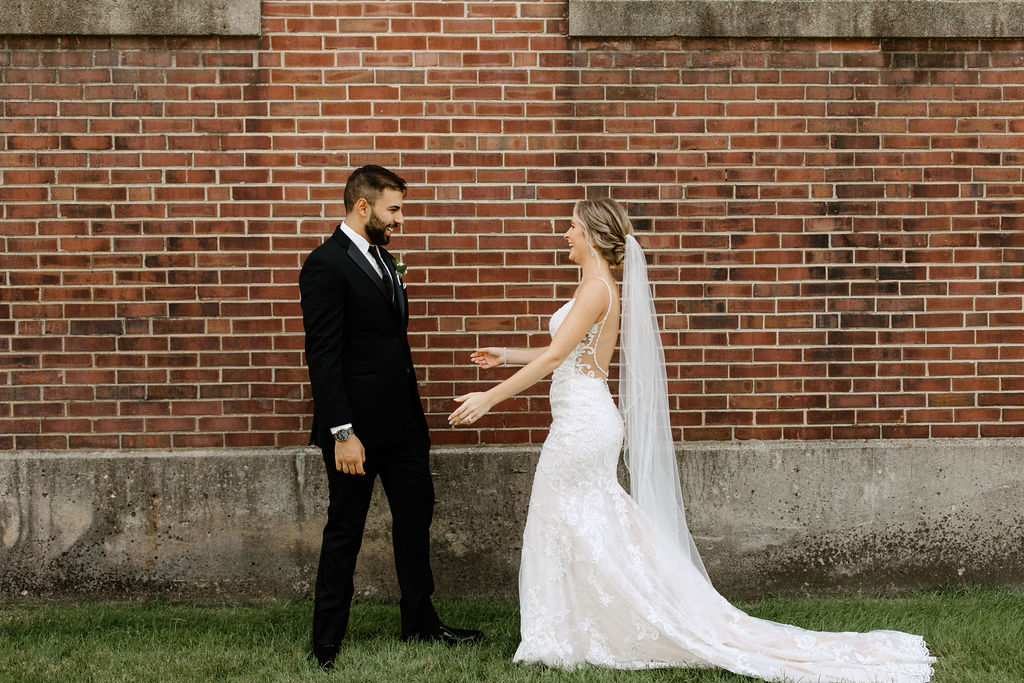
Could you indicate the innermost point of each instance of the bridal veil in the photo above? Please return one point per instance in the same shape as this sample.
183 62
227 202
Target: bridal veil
643 398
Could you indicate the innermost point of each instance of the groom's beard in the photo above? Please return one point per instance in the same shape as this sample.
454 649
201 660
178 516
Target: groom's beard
376 230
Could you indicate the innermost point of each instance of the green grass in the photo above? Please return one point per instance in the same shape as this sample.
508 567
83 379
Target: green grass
976 634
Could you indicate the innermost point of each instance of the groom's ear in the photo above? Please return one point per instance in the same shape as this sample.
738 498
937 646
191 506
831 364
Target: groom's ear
363 207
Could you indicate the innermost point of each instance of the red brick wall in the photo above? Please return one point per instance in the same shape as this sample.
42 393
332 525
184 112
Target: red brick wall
835 226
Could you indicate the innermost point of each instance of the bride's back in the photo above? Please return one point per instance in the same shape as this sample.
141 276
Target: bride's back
599 344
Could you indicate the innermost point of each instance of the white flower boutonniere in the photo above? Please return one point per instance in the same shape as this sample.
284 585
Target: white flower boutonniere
400 266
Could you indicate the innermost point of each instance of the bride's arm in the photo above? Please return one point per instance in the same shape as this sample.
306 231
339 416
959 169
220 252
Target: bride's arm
493 356
588 308
521 356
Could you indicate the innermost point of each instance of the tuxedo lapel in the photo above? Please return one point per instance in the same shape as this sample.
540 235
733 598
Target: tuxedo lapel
359 258
399 305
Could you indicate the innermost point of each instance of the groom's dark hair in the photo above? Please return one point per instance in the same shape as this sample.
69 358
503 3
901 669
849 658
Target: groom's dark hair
367 182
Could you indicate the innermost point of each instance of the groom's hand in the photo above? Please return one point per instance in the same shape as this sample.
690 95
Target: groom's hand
349 456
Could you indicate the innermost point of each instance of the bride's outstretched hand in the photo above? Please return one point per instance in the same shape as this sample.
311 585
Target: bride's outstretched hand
489 357
474 406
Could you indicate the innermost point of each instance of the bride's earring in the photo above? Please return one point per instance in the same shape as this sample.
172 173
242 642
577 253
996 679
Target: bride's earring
592 250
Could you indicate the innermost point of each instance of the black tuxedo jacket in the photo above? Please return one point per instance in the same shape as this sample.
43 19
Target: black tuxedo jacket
357 351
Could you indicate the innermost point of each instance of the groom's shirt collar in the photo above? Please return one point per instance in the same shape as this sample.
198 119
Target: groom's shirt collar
363 244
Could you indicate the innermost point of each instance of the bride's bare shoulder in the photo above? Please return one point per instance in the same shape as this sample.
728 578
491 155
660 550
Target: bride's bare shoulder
598 288
597 295
596 284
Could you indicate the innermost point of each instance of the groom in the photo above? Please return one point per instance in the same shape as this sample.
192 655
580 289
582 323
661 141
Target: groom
367 416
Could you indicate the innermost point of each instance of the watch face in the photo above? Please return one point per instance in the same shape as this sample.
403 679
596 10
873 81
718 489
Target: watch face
342 434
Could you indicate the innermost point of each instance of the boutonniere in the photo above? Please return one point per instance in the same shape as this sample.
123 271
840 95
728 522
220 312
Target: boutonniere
400 266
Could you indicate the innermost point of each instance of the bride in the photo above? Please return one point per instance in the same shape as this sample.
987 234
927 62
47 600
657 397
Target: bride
614 579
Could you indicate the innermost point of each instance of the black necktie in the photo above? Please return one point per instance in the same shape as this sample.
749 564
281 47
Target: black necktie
385 274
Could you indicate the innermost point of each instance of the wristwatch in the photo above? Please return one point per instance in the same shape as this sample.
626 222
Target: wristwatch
343 434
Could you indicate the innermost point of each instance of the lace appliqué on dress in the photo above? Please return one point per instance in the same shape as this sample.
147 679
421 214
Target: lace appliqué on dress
583 358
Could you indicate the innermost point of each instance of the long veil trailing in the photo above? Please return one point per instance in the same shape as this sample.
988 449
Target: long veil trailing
643 391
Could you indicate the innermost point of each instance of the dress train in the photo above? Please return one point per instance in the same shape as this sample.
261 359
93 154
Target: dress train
600 583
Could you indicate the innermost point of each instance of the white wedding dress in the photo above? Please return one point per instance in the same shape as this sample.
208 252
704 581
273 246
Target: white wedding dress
600 584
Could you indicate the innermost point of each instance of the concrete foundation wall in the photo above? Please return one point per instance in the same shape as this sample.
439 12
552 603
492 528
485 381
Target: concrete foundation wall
798 18
769 517
130 17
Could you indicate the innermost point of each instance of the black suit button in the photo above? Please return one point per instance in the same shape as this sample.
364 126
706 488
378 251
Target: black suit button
408 371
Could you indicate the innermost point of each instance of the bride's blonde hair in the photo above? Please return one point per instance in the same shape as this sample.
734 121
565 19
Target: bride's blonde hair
605 225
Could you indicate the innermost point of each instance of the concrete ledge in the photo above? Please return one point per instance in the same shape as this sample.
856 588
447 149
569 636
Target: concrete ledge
796 19
131 17
244 526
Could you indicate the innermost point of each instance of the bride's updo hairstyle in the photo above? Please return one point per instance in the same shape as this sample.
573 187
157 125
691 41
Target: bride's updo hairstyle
605 225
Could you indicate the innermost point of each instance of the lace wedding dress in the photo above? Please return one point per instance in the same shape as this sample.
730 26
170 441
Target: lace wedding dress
600 583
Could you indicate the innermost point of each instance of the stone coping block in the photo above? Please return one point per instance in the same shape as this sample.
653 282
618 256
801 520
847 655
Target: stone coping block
131 17
244 525
797 19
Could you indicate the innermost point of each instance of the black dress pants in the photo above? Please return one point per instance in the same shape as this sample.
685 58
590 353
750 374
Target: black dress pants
404 472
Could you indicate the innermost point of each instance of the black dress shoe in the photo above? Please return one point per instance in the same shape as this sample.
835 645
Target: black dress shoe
325 655
446 635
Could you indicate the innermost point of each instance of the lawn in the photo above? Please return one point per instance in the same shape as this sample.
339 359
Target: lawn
976 634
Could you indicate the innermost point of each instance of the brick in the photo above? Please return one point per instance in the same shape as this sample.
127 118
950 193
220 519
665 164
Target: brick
819 220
